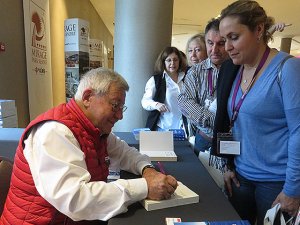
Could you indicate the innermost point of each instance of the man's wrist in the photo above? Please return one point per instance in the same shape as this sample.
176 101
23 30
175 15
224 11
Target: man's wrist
230 165
229 168
146 167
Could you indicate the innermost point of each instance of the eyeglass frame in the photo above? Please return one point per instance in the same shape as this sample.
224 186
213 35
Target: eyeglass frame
174 60
117 106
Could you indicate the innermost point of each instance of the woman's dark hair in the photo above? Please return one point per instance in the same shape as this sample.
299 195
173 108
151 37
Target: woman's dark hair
159 66
213 24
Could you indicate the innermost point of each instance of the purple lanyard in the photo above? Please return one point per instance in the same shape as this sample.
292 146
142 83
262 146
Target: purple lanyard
210 82
236 109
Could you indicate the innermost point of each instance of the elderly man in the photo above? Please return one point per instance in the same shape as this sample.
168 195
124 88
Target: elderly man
62 161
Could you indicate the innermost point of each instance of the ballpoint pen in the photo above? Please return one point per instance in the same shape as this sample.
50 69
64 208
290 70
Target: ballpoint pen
161 168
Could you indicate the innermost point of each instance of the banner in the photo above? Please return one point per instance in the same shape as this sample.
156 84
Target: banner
76 53
96 53
38 55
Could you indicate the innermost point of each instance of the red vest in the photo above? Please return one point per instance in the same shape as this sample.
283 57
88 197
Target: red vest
24 205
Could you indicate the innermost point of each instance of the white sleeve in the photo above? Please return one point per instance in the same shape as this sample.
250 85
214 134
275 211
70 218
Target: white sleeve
60 174
125 157
147 101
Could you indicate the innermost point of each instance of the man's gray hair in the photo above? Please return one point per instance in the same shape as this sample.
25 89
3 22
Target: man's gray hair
100 80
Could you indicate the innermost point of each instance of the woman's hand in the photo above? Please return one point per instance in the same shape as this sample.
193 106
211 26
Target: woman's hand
229 178
161 107
278 27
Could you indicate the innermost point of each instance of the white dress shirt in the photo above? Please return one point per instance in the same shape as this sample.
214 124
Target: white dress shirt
173 118
60 174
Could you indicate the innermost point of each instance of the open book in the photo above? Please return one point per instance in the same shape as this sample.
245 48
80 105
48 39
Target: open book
158 145
182 196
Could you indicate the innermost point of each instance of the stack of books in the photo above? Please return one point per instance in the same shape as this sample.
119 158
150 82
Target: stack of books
233 222
8 114
158 145
136 132
178 134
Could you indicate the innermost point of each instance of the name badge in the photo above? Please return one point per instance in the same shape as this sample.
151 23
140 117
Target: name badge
227 145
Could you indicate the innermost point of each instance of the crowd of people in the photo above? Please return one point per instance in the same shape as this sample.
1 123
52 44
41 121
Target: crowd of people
229 86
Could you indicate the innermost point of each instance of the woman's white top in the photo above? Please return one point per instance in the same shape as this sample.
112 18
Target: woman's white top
173 118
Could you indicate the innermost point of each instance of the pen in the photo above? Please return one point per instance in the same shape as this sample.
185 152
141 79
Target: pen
161 168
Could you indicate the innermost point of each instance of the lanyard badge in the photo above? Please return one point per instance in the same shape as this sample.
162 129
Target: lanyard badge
226 144
225 141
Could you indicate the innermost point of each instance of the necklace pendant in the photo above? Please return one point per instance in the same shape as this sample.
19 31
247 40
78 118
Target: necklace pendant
245 81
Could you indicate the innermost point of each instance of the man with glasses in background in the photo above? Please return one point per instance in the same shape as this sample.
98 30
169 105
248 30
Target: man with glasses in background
62 161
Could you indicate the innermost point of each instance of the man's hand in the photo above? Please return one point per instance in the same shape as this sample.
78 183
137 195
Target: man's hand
161 107
288 204
160 186
278 27
229 178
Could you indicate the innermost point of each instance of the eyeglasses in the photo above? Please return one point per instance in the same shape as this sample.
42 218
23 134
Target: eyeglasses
171 60
117 106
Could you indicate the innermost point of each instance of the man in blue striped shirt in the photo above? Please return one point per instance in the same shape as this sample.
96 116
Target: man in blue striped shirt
196 100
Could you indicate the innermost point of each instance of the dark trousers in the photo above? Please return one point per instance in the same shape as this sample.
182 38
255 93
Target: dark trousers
253 199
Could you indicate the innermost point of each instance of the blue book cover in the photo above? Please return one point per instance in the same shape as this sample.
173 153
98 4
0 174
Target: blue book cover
232 222
190 223
178 134
136 132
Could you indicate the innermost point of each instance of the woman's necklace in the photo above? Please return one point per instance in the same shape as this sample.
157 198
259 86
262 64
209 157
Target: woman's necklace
245 80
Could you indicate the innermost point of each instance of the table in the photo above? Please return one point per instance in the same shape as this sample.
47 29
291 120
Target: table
213 205
188 169
9 139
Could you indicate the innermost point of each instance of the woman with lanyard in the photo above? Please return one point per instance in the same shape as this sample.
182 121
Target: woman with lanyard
257 125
